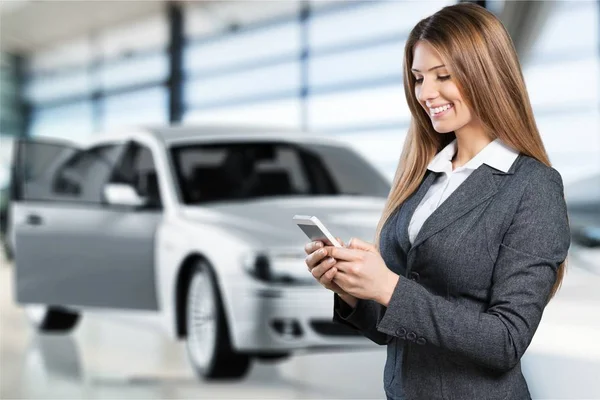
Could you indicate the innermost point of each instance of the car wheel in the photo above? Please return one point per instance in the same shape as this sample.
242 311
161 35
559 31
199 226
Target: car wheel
51 319
273 357
208 346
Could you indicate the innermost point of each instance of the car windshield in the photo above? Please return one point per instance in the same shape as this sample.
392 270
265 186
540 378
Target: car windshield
238 171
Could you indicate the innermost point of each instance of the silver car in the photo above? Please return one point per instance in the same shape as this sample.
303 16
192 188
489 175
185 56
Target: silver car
193 226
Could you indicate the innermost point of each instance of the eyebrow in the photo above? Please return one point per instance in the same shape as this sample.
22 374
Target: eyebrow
431 69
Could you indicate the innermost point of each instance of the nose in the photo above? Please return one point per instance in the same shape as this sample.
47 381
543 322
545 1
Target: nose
427 91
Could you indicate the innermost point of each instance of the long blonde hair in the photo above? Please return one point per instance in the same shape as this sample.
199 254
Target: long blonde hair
487 72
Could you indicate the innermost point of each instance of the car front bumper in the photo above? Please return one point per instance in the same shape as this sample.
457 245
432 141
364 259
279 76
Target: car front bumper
270 318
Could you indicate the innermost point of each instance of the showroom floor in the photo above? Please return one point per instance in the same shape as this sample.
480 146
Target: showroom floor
109 358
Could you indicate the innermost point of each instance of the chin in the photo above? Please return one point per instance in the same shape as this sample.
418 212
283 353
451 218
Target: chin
441 129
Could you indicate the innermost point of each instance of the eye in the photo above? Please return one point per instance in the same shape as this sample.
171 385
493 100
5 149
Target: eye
441 78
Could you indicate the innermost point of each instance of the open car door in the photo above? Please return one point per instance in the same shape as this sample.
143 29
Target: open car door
73 247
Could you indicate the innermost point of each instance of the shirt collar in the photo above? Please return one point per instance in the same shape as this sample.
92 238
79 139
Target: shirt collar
496 154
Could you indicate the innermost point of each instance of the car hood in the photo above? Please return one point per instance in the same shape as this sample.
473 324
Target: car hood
268 222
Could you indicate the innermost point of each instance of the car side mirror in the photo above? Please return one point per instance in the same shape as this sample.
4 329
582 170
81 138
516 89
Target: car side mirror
121 194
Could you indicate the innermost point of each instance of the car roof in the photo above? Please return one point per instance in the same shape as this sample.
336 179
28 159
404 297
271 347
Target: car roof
190 133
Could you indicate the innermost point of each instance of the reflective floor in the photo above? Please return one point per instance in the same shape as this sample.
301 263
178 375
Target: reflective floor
110 358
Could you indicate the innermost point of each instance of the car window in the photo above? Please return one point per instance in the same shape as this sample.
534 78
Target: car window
235 171
35 164
82 176
137 168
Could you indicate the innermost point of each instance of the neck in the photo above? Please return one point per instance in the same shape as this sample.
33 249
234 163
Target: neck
470 140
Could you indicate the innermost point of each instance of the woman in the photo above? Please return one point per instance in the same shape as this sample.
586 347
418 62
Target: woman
472 241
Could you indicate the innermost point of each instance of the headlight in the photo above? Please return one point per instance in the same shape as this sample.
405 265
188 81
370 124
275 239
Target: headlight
277 266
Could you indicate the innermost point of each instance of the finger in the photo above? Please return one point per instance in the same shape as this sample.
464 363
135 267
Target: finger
327 277
340 241
323 267
341 279
311 247
344 254
358 244
318 256
345 267
315 258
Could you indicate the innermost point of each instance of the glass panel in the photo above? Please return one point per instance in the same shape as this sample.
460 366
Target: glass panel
572 136
572 28
368 20
82 176
351 66
134 71
238 48
146 106
47 88
281 113
361 107
381 148
69 121
78 52
277 79
565 83
36 166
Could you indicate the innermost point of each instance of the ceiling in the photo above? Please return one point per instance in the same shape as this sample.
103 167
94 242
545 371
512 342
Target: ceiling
29 25
26 25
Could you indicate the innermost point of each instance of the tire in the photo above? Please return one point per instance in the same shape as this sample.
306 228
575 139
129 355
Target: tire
46 319
273 357
208 345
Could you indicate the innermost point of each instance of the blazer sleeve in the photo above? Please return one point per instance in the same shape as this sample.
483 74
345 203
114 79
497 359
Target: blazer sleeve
535 244
364 318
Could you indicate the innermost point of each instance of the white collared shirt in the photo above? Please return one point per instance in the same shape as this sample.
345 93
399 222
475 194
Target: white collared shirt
496 154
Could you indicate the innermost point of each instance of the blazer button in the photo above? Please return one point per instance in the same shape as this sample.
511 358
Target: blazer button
421 341
401 333
411 336
414 276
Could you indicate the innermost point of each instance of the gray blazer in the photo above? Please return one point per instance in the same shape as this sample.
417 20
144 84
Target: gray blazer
472 286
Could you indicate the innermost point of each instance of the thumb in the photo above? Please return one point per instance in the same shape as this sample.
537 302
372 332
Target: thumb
355 243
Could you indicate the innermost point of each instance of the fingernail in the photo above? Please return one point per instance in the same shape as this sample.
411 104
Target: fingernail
350 242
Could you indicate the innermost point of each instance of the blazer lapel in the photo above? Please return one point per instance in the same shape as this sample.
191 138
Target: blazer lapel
482 184
408 208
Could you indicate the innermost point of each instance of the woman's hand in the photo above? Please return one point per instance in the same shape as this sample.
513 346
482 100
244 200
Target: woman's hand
321 267
362 272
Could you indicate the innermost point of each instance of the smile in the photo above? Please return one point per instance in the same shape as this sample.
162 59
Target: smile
440 111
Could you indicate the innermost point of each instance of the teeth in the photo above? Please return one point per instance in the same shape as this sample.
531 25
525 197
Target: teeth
440 109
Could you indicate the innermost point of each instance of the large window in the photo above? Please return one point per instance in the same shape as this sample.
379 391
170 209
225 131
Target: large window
252 75
146 106
69 121
563 79
332 67
111 79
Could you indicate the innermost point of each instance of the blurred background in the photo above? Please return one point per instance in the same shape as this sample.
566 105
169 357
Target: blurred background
73 69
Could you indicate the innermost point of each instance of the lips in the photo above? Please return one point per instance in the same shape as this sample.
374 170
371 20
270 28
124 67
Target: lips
440 110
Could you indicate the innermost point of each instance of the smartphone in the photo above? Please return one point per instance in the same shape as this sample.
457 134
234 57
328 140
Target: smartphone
315 230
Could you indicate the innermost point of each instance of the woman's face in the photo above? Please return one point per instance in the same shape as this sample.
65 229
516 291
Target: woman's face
436 91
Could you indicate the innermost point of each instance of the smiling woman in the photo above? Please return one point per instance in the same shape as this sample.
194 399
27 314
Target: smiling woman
472 241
